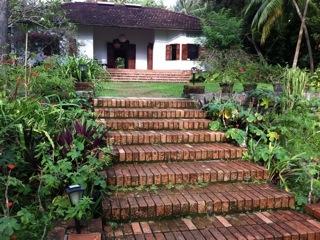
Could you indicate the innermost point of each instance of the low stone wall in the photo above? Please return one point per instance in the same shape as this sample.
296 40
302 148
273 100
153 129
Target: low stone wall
240 98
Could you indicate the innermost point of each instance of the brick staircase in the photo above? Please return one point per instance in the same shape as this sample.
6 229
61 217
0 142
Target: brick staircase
175 179
134 75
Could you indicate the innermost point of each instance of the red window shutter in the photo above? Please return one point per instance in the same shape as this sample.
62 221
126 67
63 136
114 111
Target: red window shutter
168 52
184 51
178 51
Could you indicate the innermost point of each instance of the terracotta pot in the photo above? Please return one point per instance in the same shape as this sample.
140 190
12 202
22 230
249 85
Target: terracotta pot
193 89
84 86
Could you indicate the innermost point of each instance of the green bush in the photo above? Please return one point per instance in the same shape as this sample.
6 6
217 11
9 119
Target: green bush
234 65
46 81
286 142
222 30
314 83
11 79
83 69
43 80
44 148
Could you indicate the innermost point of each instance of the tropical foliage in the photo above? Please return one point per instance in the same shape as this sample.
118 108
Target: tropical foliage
283 139
48 140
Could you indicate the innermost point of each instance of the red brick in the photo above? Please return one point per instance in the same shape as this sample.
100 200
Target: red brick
313 210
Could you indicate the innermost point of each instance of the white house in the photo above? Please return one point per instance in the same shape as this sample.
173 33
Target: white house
144 38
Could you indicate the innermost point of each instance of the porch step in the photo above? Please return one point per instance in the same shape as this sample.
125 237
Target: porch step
221 198
148 79
156 124
313 210
145 103
177 152
149 75
163 137
278 224
148 113
147 174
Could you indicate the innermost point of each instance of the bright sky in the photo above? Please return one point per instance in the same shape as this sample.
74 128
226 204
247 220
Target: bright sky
169 3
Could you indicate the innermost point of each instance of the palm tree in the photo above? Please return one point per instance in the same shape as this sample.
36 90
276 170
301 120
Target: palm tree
269 12
191 7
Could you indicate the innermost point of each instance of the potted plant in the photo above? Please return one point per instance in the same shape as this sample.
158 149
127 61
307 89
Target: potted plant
83 83
226 83
84 71
197 77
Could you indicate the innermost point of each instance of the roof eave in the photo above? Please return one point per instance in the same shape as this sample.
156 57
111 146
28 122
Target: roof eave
159 28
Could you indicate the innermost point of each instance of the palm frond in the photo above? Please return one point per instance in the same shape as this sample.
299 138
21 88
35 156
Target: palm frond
273 9
269 25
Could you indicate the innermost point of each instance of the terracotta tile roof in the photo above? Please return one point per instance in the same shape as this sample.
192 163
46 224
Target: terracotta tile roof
111 15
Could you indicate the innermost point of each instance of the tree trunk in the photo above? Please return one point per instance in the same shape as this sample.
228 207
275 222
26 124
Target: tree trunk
298 47
3 28
307 37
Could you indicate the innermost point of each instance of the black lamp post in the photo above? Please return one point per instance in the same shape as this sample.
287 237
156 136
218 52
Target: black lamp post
75 193
194 71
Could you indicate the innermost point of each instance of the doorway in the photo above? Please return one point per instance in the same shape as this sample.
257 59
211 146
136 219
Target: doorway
121 55
150 56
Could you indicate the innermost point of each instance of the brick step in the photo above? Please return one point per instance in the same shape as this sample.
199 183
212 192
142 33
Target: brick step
152 72
149 113
149 80
133 175
156 124
313 210
173 77
281 224
177 152
179 103
163 137
219 198
151 76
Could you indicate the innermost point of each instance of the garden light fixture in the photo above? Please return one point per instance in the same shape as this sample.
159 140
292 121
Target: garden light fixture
122 38
194 71
75 193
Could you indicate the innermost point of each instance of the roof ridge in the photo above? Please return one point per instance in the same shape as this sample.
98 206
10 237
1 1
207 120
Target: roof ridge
132 6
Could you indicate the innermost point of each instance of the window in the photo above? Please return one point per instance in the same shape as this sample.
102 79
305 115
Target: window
173 52
190 51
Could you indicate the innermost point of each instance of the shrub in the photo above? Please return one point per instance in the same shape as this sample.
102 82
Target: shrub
222 30
43 80
286 143
295 82
314 83
44 148
46 81
83 69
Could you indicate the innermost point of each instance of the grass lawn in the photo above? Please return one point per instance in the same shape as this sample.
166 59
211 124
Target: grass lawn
147 89
141 89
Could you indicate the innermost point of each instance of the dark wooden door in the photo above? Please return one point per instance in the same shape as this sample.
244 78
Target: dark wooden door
150 56
132 56
111 56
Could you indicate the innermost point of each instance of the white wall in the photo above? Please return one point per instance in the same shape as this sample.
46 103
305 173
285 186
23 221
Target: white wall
85 41
93 43
140 37
163 38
